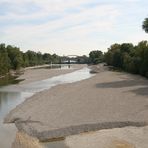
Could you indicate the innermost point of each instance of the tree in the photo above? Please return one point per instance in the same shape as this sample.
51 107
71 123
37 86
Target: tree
112 57
25 60
47 58
145 25
12 58
82 59
56 59
15 56
126 47
96 56
4 60
32 56
117 58
133 59
39 58
142 51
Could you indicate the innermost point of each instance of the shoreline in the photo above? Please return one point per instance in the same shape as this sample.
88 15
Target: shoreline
34 74
67 110
20 89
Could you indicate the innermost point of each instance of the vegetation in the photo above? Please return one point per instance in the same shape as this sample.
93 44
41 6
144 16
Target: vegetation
96 57
145 25
133 59
126 56
4 60
11 58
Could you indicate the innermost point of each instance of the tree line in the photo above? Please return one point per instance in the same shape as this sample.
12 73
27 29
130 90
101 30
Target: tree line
126 56
11 58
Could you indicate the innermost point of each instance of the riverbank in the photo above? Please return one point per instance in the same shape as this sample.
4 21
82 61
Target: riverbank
14 94
107 100
34 74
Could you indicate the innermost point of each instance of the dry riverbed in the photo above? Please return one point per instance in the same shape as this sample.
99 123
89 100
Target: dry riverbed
12 95
114 103
36 73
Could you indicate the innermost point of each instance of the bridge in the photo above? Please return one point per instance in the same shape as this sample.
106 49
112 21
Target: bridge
70 59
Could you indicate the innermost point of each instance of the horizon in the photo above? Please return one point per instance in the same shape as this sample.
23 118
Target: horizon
68 27
67 54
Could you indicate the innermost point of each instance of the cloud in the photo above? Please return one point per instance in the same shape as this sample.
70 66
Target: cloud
81 23
65 26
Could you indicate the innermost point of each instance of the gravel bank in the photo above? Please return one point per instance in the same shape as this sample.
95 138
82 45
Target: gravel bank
38 73
107 100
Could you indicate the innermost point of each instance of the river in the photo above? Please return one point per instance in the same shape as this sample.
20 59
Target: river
12 95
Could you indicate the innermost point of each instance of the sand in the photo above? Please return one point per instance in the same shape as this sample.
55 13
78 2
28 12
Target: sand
33 74
25 141
107 100
30 75
127 137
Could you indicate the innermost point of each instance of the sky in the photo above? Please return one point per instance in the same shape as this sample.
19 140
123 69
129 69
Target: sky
71 27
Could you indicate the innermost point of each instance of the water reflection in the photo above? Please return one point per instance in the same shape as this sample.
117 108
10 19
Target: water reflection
55 66
8 100
8 79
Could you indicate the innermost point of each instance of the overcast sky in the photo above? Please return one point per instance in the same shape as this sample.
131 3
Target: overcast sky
71 26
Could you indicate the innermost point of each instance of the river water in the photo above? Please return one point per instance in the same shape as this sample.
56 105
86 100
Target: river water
12 95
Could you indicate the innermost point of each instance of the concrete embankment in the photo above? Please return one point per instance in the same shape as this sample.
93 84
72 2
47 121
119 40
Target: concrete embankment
107 100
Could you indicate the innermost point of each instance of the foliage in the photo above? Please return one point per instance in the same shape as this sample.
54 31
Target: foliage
47 58
12 58
83 60
130 58
4 60
56 59
15 57
96 56
145 25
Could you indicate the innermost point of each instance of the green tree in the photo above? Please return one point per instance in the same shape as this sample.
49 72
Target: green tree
113 56
130 58
39 58
32 56
4 60
15 57
82 59
117 58
25 60
56 59
47 58
145 25
96 56
142 53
